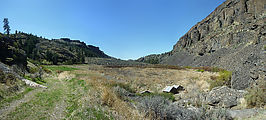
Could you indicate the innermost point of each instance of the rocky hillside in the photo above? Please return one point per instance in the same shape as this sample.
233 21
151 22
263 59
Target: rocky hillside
16 48
231 37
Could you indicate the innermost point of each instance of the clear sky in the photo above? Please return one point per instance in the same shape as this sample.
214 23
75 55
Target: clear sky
125 29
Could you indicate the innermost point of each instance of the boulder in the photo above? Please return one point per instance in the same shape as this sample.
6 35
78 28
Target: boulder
224 96
245 113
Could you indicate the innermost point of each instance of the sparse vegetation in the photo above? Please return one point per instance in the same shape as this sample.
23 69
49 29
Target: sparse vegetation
153 60
60 68
207 68
154 107
35 79
219 114
124 86
93 113
15 97
256 96
9 79
43 102
167 96
2 76
159 108
99 92
224 78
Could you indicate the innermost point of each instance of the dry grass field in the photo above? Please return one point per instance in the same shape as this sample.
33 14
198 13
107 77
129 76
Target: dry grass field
102 80
108 92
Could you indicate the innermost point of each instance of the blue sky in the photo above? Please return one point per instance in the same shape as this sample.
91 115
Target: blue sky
125 29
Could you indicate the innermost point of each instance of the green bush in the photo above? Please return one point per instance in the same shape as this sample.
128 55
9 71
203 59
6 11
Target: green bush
200 70
188 67
256 96
224 78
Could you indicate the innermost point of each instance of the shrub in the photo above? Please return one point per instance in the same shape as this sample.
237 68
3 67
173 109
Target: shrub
108 98
121 93
10 79
2 76
124 86
33 69
256 96
219 114
154 107
224 78
46 69
168 96
159 108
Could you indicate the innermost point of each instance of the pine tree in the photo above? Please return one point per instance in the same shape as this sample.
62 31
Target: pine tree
6 26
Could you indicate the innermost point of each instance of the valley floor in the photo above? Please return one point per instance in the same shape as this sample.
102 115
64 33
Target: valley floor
88 92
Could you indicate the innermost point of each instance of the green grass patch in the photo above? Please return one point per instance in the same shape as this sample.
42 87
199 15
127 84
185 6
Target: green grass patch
15 97
60 68
169 96
92 114
224 78
200 70
38 107
207 68
188 67
81 83
72 105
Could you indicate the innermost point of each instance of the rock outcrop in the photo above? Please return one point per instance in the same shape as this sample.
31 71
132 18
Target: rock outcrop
231 37
224 96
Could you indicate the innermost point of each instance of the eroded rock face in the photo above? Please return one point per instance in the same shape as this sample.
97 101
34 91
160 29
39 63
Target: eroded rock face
231 37
233 22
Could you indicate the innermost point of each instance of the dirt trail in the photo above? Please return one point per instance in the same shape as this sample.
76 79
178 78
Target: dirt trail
59 110
12 106
67 97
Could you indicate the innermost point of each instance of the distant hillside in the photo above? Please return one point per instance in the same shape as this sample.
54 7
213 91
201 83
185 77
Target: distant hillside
231 37
16 48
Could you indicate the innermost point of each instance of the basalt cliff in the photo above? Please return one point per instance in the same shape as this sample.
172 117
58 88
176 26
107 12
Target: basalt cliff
231 37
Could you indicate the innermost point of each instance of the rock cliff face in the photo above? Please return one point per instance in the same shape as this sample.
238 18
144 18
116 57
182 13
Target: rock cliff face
232 23
231 37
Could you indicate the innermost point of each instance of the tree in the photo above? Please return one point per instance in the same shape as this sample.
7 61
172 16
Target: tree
6 26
